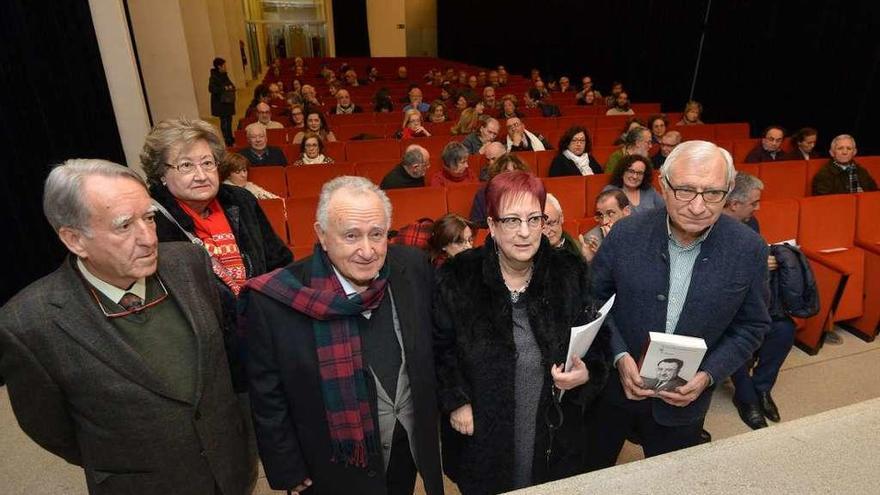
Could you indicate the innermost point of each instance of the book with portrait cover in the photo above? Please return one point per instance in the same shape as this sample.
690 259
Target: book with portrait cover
670 360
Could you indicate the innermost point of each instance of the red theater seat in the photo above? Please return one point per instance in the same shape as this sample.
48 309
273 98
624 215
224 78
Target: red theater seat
307 180
595 184
276 213
460 197
346 132
271 179
736 130
301 221
371 150
868 238
783 179
419 202
376 170
571 193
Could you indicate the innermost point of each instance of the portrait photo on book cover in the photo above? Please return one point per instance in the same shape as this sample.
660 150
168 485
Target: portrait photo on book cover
666 375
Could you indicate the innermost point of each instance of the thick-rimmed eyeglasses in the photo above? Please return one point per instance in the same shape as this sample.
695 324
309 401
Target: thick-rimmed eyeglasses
186 168
512 224
688 195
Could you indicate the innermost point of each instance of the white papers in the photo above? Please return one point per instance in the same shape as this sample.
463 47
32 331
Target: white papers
582 336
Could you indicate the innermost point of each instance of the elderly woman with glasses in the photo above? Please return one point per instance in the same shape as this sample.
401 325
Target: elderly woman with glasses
634 175
503 315
312 151
180 158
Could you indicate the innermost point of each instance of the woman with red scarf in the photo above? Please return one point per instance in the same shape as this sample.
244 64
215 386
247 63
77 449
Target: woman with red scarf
455 167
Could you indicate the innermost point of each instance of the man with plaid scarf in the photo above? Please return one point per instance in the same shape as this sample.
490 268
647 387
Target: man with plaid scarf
340 359
842 174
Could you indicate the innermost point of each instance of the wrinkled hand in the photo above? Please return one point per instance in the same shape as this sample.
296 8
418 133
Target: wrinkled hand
589 246
772 264
633 386
567 380
302 486
462 420
687 393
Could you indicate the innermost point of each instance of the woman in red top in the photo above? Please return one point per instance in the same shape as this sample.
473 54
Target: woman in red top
412 125
455 166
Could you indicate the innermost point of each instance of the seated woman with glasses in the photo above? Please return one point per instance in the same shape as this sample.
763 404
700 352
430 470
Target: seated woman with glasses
312 151
234 171
180 159
503 315
412 126
574 156
451 235
297 116
634 175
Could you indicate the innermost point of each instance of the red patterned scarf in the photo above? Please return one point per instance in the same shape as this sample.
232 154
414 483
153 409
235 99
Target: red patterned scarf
216 234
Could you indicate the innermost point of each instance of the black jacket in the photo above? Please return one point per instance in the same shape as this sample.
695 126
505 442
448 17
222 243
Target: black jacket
476 362
562 166
793 289
222 94
261 250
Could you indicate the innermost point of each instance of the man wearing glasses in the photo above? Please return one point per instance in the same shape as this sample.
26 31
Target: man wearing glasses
684 269
115 362
770 147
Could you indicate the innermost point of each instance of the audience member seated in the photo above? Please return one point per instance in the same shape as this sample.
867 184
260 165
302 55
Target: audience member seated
520 139
611 206
553 231
351 79
344 104
382 102
587 95
402 74
634 176
535 99
410 172
631 123
803 145
486 133
373 74
621 105
446 92
461 102
657 123
667 143
508 108
310 99
505 163
437 112
636 142
491 152
565 85
842 174
451 235
412 126
264 117
317 123
312 151
298 116
489 101
589 98
468 121
261 95
574 156
275 93
693 113
616 89
258 152
234 172
455 166
416 102
770 147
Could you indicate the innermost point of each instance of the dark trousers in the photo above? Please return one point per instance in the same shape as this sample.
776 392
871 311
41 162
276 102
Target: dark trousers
750 382
401 473
226 129
614 419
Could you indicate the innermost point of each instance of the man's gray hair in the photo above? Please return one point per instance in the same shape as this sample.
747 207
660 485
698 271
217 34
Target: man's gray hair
354 186
551 199
453 153
63 201
700 151
674 135
254 126
182 132
413 156
744 184
842 136
632 136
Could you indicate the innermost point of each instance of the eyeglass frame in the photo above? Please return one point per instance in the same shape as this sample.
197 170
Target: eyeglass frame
131 311
513 223
702 194
214 165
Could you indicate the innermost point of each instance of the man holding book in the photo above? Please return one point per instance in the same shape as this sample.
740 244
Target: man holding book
683 270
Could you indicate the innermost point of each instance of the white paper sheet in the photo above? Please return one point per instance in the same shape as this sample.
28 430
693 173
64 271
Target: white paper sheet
582 336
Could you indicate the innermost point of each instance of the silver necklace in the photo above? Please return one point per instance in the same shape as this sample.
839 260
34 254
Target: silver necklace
516 294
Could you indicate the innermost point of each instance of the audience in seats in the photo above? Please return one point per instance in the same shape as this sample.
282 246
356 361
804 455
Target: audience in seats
451 235
842 174
410 172
340 365
316 123
485 134
437 112
455 166
534 98
637 141
258 152
520 139
553 231
344 104
507 162
657 123
616 89
382 102
803 145
310 98
446 92
222 98
489 101
416 102
494 79
261 95
574 156
565 85
667 143
621 105
180 159
508 108
298 116
611 206
312 151
755 379
631 123
264 117
234 172
660 253
770 147
634 176
587 95
491 152
693 113
412 126
497 345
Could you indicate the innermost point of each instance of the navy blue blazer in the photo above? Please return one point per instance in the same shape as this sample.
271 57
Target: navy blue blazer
726 302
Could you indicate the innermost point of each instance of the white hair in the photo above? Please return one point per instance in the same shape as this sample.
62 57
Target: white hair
699 151
842 136
555 202
354 186
253 127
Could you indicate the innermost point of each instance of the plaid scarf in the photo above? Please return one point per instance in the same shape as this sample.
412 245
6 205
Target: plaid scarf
340 362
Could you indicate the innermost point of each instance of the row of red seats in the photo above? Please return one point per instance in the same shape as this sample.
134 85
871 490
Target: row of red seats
794 179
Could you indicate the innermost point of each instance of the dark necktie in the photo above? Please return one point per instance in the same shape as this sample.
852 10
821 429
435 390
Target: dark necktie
131 301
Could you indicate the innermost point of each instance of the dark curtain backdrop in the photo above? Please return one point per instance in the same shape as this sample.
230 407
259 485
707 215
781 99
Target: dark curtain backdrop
788 62
54 105
350 28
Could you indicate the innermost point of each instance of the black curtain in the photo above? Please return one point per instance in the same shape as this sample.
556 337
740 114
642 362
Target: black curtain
54 105
350 28
787 62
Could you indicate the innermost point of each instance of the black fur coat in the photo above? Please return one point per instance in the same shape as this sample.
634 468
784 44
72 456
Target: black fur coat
476 361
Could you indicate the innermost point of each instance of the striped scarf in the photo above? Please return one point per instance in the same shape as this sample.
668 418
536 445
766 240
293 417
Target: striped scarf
338 342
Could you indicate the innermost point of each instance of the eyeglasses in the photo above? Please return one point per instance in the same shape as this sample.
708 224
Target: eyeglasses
636 173
551 223
688 195
600 216
133 310
187 168
464 242
512 224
